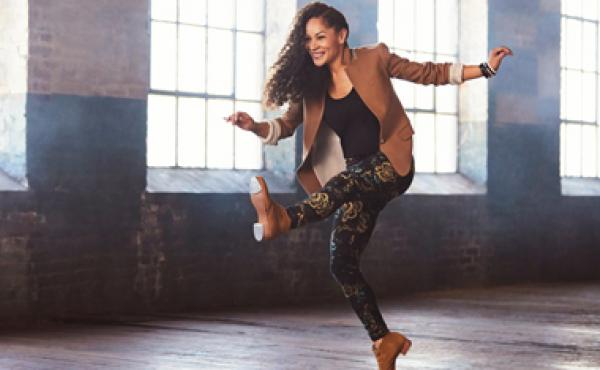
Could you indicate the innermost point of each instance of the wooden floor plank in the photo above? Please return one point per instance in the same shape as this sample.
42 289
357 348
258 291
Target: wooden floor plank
512 327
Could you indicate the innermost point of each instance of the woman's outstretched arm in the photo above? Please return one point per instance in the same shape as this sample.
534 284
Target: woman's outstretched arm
426 73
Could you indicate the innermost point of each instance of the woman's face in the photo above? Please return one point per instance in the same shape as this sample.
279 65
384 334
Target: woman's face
323 43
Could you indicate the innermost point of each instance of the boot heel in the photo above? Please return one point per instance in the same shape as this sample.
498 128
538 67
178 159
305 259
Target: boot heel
259 232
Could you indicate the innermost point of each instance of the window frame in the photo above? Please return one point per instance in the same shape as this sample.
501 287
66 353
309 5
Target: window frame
565 121
413 110
206 96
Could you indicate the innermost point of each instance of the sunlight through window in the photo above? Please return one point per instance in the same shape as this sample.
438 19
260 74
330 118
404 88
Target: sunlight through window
207 61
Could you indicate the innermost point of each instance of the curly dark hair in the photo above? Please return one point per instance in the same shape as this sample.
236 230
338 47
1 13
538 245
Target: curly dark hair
294 75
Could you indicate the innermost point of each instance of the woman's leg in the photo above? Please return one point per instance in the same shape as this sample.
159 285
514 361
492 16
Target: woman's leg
352 228
365 180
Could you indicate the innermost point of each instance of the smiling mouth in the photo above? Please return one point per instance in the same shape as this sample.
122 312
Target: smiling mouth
317 55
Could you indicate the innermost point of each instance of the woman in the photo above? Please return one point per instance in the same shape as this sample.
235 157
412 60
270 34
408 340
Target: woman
351 114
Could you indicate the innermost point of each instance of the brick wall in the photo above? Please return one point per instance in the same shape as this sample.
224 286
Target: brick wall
95 48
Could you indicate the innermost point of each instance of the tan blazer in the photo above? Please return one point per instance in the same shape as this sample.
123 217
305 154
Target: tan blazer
369 69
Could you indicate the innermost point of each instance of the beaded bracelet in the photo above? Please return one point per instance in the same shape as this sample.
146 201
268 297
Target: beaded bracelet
486 70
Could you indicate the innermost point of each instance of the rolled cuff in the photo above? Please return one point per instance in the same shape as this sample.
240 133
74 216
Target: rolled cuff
274 133
456 71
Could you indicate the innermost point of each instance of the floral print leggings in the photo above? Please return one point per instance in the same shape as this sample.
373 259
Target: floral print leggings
356 195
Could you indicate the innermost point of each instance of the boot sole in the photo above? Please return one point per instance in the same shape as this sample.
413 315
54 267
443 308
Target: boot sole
258 229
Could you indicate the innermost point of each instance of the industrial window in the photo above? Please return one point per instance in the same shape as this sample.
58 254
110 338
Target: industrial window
207 60
579 134
426 30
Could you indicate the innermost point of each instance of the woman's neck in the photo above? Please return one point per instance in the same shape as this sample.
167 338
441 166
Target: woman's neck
339 64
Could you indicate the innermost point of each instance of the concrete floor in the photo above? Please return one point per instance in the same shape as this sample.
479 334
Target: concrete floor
512 327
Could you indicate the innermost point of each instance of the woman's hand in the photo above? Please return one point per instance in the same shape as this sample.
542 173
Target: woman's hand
496 56
241 120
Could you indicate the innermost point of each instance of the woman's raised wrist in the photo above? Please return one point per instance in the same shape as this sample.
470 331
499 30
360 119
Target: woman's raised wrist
260 129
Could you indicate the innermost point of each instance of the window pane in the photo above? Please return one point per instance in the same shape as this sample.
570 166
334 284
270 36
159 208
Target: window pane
445 141
424 57
597 100
161 130
588 151
573 98
220 62
563 149
571 7
446 27
563 94
424 93
589 97
445 58
164 10
425 31
221 13
385 21
404 53
424 96
597 50
424 142
425 26
219 142
589 46
192 11
248 148
192 58
573 44
163 56
249 66
192 138
589 8
446 99
597 151
563 42
405 91
404 24
573 145
250 15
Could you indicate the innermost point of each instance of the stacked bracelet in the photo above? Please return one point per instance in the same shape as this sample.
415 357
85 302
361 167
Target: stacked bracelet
487 70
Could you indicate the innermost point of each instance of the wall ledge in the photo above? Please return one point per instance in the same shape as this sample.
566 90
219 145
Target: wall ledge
577 186
213 181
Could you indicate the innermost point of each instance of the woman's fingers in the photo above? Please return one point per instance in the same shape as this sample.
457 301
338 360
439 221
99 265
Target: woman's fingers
503 50
233 118
240 119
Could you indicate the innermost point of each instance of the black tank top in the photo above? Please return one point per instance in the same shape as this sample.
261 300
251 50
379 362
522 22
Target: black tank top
354 123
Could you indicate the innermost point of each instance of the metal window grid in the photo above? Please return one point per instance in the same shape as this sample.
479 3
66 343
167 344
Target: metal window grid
566 121
206 96
435 55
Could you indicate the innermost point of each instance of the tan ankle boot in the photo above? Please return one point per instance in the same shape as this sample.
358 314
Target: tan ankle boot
389 348
272 217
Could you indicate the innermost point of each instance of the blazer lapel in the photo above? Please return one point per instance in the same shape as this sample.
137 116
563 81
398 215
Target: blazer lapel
361 83
314 115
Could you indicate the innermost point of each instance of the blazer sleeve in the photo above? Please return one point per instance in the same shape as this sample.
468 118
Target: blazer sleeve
422 73
285 125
